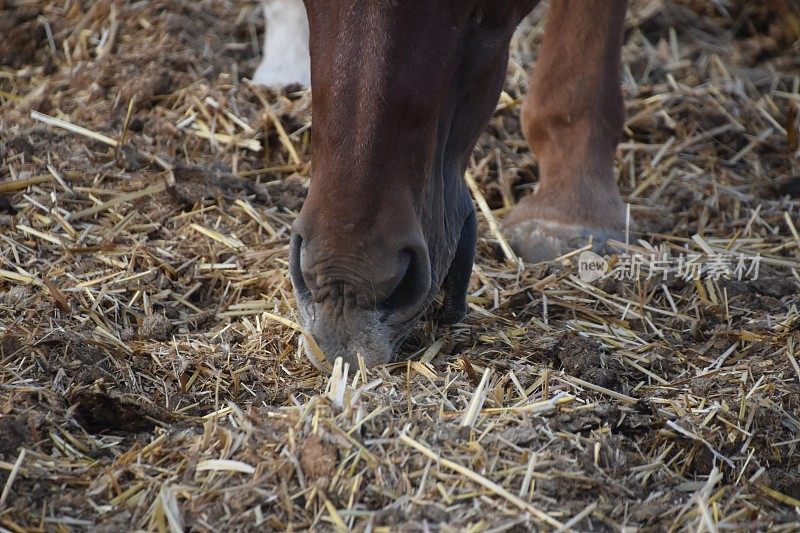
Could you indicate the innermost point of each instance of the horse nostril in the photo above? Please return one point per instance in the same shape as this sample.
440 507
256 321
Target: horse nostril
413 282
396 286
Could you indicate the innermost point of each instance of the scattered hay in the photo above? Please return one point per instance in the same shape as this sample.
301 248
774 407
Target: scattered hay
149 367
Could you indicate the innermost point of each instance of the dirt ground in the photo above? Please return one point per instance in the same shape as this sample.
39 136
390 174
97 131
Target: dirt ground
149 369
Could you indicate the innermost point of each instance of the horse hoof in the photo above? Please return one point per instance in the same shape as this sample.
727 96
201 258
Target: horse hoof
537 240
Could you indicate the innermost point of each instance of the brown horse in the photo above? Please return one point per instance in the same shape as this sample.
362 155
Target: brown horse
402 90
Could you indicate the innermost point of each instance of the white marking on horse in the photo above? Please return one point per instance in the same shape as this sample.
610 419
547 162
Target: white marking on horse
285 59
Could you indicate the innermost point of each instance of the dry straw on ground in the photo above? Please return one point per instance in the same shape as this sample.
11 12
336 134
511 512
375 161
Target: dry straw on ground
149 375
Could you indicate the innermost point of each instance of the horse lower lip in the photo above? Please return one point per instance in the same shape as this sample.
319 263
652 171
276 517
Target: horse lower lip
371 333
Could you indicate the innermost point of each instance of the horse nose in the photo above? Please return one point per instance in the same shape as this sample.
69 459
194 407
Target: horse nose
405 289
391 275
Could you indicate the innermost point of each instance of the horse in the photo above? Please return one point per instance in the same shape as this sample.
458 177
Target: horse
401 92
